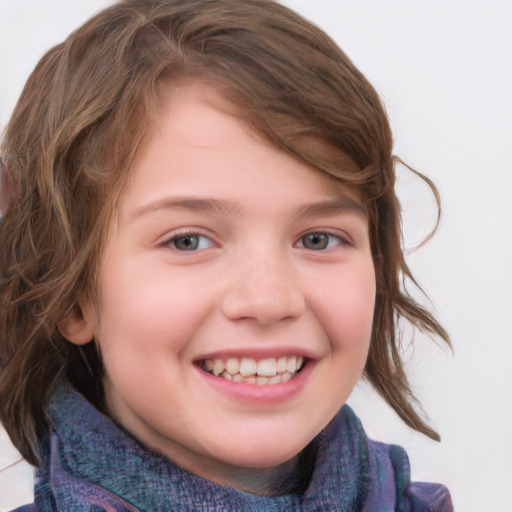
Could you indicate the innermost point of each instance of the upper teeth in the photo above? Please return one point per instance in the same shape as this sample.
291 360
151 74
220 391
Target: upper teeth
249 367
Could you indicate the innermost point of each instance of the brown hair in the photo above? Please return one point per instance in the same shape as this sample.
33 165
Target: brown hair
85 111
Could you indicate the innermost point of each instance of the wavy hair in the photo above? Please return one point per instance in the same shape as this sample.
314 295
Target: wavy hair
86 110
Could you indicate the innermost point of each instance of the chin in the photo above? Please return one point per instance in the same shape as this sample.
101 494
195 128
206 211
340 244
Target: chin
263 455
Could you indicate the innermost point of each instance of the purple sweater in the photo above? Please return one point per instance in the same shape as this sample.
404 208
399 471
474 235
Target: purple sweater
91 465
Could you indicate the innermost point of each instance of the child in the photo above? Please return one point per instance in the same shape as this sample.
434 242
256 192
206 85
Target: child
201 257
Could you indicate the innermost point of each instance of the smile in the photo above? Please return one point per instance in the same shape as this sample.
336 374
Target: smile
263 372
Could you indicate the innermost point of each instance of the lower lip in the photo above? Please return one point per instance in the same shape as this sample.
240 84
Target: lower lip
266 394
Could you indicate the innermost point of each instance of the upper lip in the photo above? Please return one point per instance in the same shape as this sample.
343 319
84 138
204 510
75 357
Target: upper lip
259 353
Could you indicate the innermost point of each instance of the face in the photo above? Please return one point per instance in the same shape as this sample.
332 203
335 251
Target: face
237 291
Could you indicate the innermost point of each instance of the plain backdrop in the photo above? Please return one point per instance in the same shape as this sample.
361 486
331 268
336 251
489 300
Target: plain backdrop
444 71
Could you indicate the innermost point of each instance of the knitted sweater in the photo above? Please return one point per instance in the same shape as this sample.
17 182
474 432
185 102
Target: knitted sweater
91 465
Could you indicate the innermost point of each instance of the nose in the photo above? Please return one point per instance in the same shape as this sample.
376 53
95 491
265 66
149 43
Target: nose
264 288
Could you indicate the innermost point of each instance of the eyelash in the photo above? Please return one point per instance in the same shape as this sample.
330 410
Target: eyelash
340 240
168 242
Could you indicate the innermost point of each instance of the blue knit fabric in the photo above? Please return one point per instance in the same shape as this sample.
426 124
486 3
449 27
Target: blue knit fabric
90 466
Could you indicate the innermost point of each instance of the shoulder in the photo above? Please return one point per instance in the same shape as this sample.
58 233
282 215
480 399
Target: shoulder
386 470
416 496
16 477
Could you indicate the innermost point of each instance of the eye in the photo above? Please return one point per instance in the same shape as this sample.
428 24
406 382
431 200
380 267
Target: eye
189 242
319 241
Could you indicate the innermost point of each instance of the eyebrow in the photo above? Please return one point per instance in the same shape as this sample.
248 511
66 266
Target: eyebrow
226 208
329 207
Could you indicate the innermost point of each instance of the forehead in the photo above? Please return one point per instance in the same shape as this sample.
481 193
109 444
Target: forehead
191 114
199 134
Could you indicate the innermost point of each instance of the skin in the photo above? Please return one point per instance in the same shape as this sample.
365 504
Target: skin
254 286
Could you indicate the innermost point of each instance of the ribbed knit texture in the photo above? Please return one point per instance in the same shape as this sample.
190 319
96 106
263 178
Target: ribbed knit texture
91 465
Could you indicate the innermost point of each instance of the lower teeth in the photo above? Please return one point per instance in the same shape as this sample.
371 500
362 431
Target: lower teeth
256 379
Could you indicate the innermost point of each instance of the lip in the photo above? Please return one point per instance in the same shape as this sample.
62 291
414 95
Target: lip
255 393
258 354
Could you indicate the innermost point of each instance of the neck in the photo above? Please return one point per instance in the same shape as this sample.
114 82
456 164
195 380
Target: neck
291 476
274 481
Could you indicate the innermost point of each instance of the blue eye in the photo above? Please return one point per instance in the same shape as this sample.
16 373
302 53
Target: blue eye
189 242
319 241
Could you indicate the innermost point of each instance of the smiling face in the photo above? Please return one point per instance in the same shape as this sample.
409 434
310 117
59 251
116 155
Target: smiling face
236 295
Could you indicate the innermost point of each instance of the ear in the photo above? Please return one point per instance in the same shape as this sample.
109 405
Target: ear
75 328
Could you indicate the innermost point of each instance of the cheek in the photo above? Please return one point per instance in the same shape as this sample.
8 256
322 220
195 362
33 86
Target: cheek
346 308
150 307
359 303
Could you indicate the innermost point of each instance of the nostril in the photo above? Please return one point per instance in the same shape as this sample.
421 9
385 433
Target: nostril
264 302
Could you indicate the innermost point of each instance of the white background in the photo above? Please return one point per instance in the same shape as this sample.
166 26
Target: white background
444 70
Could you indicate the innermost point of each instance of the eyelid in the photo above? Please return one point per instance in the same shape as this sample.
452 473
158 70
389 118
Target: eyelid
165 243
345 239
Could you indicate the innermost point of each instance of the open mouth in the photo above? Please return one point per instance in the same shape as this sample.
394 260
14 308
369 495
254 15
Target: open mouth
263 372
